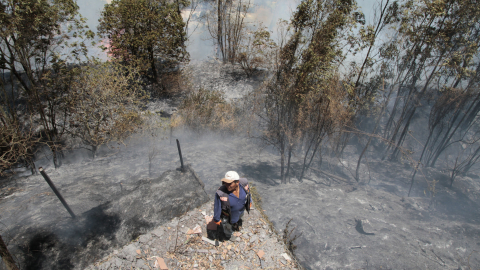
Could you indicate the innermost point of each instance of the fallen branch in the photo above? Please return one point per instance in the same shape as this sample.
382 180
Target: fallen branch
330 175
438 257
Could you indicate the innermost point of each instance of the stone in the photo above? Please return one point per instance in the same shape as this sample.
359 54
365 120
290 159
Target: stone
286 256
145 238
130 258
117 262
196 230
174 223
140 263
130 249
158 232
213 242
106 265
202 251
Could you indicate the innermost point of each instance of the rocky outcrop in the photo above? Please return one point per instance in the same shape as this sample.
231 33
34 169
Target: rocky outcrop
182 243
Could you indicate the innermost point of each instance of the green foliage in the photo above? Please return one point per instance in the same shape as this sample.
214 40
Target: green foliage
257 51
145 31
38 38
104 103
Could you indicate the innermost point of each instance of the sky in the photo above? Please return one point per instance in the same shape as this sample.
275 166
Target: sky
200 46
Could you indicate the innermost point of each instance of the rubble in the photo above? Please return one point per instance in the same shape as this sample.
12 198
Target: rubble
170 248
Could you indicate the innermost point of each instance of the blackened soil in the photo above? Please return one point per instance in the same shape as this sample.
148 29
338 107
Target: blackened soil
58 241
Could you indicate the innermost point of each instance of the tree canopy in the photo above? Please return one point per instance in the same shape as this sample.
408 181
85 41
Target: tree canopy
38 39
145 30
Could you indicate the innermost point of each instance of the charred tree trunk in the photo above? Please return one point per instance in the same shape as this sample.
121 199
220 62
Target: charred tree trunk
220 21
445 141
282 165
287 174
377 30
152 64
357 174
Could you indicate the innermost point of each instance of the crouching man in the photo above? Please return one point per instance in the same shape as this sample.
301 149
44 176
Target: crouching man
231 201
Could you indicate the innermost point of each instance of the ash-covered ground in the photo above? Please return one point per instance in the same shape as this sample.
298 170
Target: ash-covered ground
327 208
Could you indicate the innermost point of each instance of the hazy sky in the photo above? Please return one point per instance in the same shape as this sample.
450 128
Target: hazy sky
200 47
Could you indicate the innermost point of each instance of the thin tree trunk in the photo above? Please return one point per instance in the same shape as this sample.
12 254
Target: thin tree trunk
448 136
287 175
357 176
219 29
305 166
377 29
407 124
152 65
282 166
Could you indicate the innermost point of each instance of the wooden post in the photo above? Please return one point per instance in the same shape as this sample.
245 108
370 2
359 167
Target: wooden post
52 186
180 153
6 256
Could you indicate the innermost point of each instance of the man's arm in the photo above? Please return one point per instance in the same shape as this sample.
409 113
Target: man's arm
217 209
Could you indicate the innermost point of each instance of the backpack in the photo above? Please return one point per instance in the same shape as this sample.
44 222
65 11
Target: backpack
223 192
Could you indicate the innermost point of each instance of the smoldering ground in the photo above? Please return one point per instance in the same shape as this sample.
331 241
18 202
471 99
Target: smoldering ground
417 232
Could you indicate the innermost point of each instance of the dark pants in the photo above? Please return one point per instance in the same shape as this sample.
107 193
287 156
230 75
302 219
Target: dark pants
229 228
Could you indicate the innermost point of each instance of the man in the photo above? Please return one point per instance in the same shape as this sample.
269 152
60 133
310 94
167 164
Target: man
231 200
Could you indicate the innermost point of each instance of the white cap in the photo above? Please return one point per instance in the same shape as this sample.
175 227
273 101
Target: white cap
232 175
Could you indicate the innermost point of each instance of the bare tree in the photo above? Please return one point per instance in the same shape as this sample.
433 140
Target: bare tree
300 104
226 25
